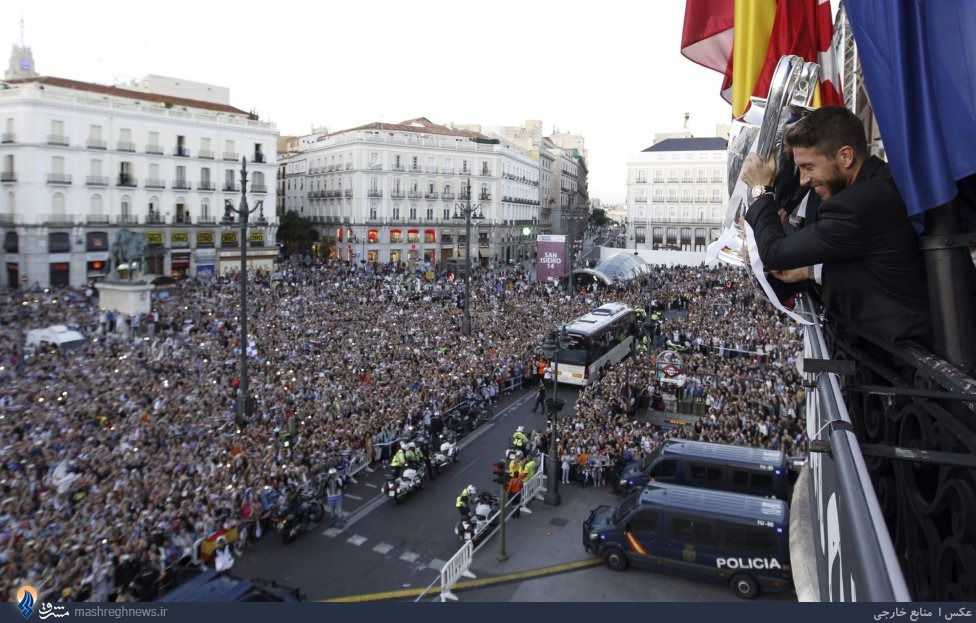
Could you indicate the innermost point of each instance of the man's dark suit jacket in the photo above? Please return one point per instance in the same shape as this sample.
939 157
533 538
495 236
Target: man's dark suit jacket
873 279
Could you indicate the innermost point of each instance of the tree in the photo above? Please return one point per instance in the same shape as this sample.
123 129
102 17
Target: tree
296 233
599 217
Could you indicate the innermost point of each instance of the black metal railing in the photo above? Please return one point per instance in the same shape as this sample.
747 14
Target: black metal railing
907 521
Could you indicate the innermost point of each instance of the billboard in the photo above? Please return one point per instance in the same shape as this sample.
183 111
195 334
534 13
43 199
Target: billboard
551 261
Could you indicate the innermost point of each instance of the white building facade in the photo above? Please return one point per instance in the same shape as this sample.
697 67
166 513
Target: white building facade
79 161
677 194
396 193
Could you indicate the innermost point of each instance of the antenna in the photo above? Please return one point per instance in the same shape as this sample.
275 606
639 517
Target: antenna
21 31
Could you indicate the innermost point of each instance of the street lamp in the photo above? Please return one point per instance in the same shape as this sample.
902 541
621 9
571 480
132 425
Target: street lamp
243 397
467 212
550 348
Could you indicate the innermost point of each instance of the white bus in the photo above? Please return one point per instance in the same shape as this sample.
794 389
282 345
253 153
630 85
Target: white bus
601 337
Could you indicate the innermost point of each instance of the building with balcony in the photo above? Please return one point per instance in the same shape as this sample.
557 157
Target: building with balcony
79 161
677 194
390 193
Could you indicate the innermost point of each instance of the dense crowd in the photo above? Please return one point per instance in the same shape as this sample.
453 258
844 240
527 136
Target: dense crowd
118 456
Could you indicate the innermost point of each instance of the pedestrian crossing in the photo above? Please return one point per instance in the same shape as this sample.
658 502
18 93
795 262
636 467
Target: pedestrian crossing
384 549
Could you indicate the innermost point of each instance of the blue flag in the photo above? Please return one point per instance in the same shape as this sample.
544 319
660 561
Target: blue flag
919 63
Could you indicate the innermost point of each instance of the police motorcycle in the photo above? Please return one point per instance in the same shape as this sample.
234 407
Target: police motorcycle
293 518
401 483
476 410
444 451
485 516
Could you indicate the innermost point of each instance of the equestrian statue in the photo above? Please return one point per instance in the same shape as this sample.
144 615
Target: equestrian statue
129 247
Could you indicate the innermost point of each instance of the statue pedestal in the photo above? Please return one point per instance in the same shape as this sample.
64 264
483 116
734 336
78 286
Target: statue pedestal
125 297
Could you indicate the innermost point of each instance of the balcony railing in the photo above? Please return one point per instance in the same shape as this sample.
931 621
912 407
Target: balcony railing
206 154
230 188
154 218
126 219
57 139
414 194
484 196
181 185
373 192
59 220
58 178
432 169
205 186
8 137
259 188
376 166
447 171
155 183
96 180
398 167
154 149
97 219
125 146
230 155
448 196
347 192
258 157
127 181
206 220
396 194
181 150
183 219
8 176
96 143
430 195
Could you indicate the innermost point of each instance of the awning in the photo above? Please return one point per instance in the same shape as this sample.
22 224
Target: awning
484 251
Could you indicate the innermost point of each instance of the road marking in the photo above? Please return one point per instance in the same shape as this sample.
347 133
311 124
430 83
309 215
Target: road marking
356 539
369 484
353 497
409 556
436 564
383 548
530 574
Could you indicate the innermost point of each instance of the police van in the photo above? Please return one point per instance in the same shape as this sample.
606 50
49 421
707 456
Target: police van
739 539
711 466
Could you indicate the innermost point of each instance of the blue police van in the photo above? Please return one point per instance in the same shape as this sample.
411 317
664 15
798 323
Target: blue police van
711 466
736 538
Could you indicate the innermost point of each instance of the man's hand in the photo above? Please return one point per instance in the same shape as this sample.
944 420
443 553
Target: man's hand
756 172
794 275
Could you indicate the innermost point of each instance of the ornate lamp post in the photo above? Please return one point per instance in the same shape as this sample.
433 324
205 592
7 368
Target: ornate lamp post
243 396
551 348
467 212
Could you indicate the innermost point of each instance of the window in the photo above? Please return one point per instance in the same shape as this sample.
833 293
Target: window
665 469
756 480
464 166
691 530
704 473
643 521
748 537
59 242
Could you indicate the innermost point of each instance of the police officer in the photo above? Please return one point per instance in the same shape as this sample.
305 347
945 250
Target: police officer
519 440
464 501
528 469
399 459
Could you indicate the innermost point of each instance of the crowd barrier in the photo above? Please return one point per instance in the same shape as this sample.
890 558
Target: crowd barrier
455 569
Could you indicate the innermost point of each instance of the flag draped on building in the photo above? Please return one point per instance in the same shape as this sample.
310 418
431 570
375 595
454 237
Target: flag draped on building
744 39
919 65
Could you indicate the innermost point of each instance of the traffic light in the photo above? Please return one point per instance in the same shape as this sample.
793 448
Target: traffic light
501 472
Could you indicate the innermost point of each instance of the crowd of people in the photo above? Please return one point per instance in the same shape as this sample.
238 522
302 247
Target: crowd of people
120 455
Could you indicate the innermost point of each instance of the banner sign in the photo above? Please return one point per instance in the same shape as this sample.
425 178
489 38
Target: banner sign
551 261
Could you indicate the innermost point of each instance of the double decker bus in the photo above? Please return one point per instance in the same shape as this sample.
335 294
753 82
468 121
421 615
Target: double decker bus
601 337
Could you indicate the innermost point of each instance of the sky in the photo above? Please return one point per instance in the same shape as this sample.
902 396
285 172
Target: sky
611 70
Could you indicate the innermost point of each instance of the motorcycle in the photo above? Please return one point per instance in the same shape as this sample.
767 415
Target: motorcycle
444 454
479 524
476 410
290 523
411 479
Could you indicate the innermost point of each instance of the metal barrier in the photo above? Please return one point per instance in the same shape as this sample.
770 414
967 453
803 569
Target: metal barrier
357 463
455 568
531 490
